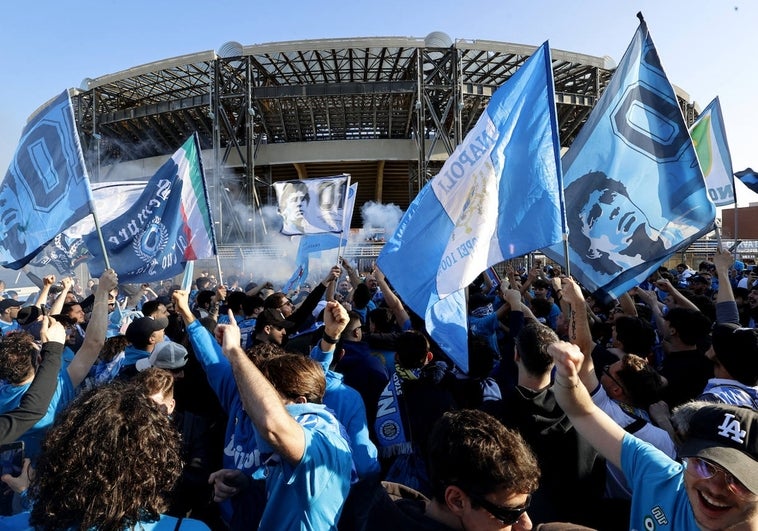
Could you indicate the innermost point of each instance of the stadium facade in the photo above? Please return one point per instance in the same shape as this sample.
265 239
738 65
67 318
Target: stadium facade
387 110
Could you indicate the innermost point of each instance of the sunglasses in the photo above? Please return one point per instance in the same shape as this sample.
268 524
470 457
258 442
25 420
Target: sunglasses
506 515
607 372
702 469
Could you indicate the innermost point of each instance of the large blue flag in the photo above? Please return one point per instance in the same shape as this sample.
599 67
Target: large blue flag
709 136
496 197
167 226
633 186
46 188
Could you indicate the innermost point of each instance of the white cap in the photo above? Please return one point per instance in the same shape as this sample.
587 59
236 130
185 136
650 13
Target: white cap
165 355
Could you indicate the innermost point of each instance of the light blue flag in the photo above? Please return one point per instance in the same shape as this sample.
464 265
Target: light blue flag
496 197
634 190
46 188
164 228
709 136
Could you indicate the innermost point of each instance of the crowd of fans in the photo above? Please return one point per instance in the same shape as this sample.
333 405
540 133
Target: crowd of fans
236 406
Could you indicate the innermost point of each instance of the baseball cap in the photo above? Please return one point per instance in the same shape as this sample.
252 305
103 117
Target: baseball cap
737 350
142 328
8 303
27 315
726 435
739 265
166 355
273 317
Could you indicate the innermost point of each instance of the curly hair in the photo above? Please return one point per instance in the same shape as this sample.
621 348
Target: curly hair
17 352
473 450
111 461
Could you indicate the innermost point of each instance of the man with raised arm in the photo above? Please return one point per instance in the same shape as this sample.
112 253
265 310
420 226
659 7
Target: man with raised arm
308 459
716 488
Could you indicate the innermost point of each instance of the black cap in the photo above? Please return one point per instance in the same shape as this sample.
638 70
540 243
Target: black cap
272 317
140 330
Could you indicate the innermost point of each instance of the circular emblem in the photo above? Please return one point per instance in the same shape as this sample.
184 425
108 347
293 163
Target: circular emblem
389 429
152 241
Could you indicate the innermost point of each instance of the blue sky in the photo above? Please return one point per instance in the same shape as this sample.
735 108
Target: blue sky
705 45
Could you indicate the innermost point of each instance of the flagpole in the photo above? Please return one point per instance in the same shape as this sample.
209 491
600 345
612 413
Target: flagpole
100 236
218 266
344 213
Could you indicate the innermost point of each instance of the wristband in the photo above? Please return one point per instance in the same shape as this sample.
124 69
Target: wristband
330 340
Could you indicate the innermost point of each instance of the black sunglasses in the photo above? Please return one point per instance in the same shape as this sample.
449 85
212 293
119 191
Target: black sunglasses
507 515
607 372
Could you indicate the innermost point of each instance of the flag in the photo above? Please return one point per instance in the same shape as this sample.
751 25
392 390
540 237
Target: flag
169 224
313 243
67 250
749 178
709 136
633 187
496 197
311 206
46 188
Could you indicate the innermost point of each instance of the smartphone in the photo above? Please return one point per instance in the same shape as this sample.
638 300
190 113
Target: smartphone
12 458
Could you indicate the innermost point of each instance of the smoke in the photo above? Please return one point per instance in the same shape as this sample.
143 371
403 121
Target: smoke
273 255
379 216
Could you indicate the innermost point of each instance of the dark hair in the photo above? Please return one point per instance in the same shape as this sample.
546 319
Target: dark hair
691 325
114 454
204 298
361 296
382 318
275 300
532 343
202 283
17 351
411 349
250 304
150 307
642 383
578 193
481 357
235 300
637 336
474 451
112 347
263 351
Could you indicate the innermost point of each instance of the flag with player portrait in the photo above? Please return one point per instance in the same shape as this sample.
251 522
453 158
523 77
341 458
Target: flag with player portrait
311 206
633 187
496 197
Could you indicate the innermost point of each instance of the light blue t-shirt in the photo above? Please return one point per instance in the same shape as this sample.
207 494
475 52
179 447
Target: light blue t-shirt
10 398
20 522
659 500
310 495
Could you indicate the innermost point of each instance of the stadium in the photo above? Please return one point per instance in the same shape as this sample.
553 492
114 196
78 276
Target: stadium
386 110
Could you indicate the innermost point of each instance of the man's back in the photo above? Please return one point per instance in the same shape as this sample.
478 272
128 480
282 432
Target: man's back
573 475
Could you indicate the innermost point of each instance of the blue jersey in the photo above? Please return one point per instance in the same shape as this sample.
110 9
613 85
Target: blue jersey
659 500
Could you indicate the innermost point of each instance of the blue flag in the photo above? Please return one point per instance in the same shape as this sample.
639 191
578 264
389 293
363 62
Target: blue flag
46 188
168 225
634 190
315 243
496 197
749 178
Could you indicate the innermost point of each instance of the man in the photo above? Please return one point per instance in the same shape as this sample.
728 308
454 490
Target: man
143 334
624 391
685 366
166 355
19 370
483 476
270 327
309 472
363 371
9 309
293 201
572 477
608 231
716 489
